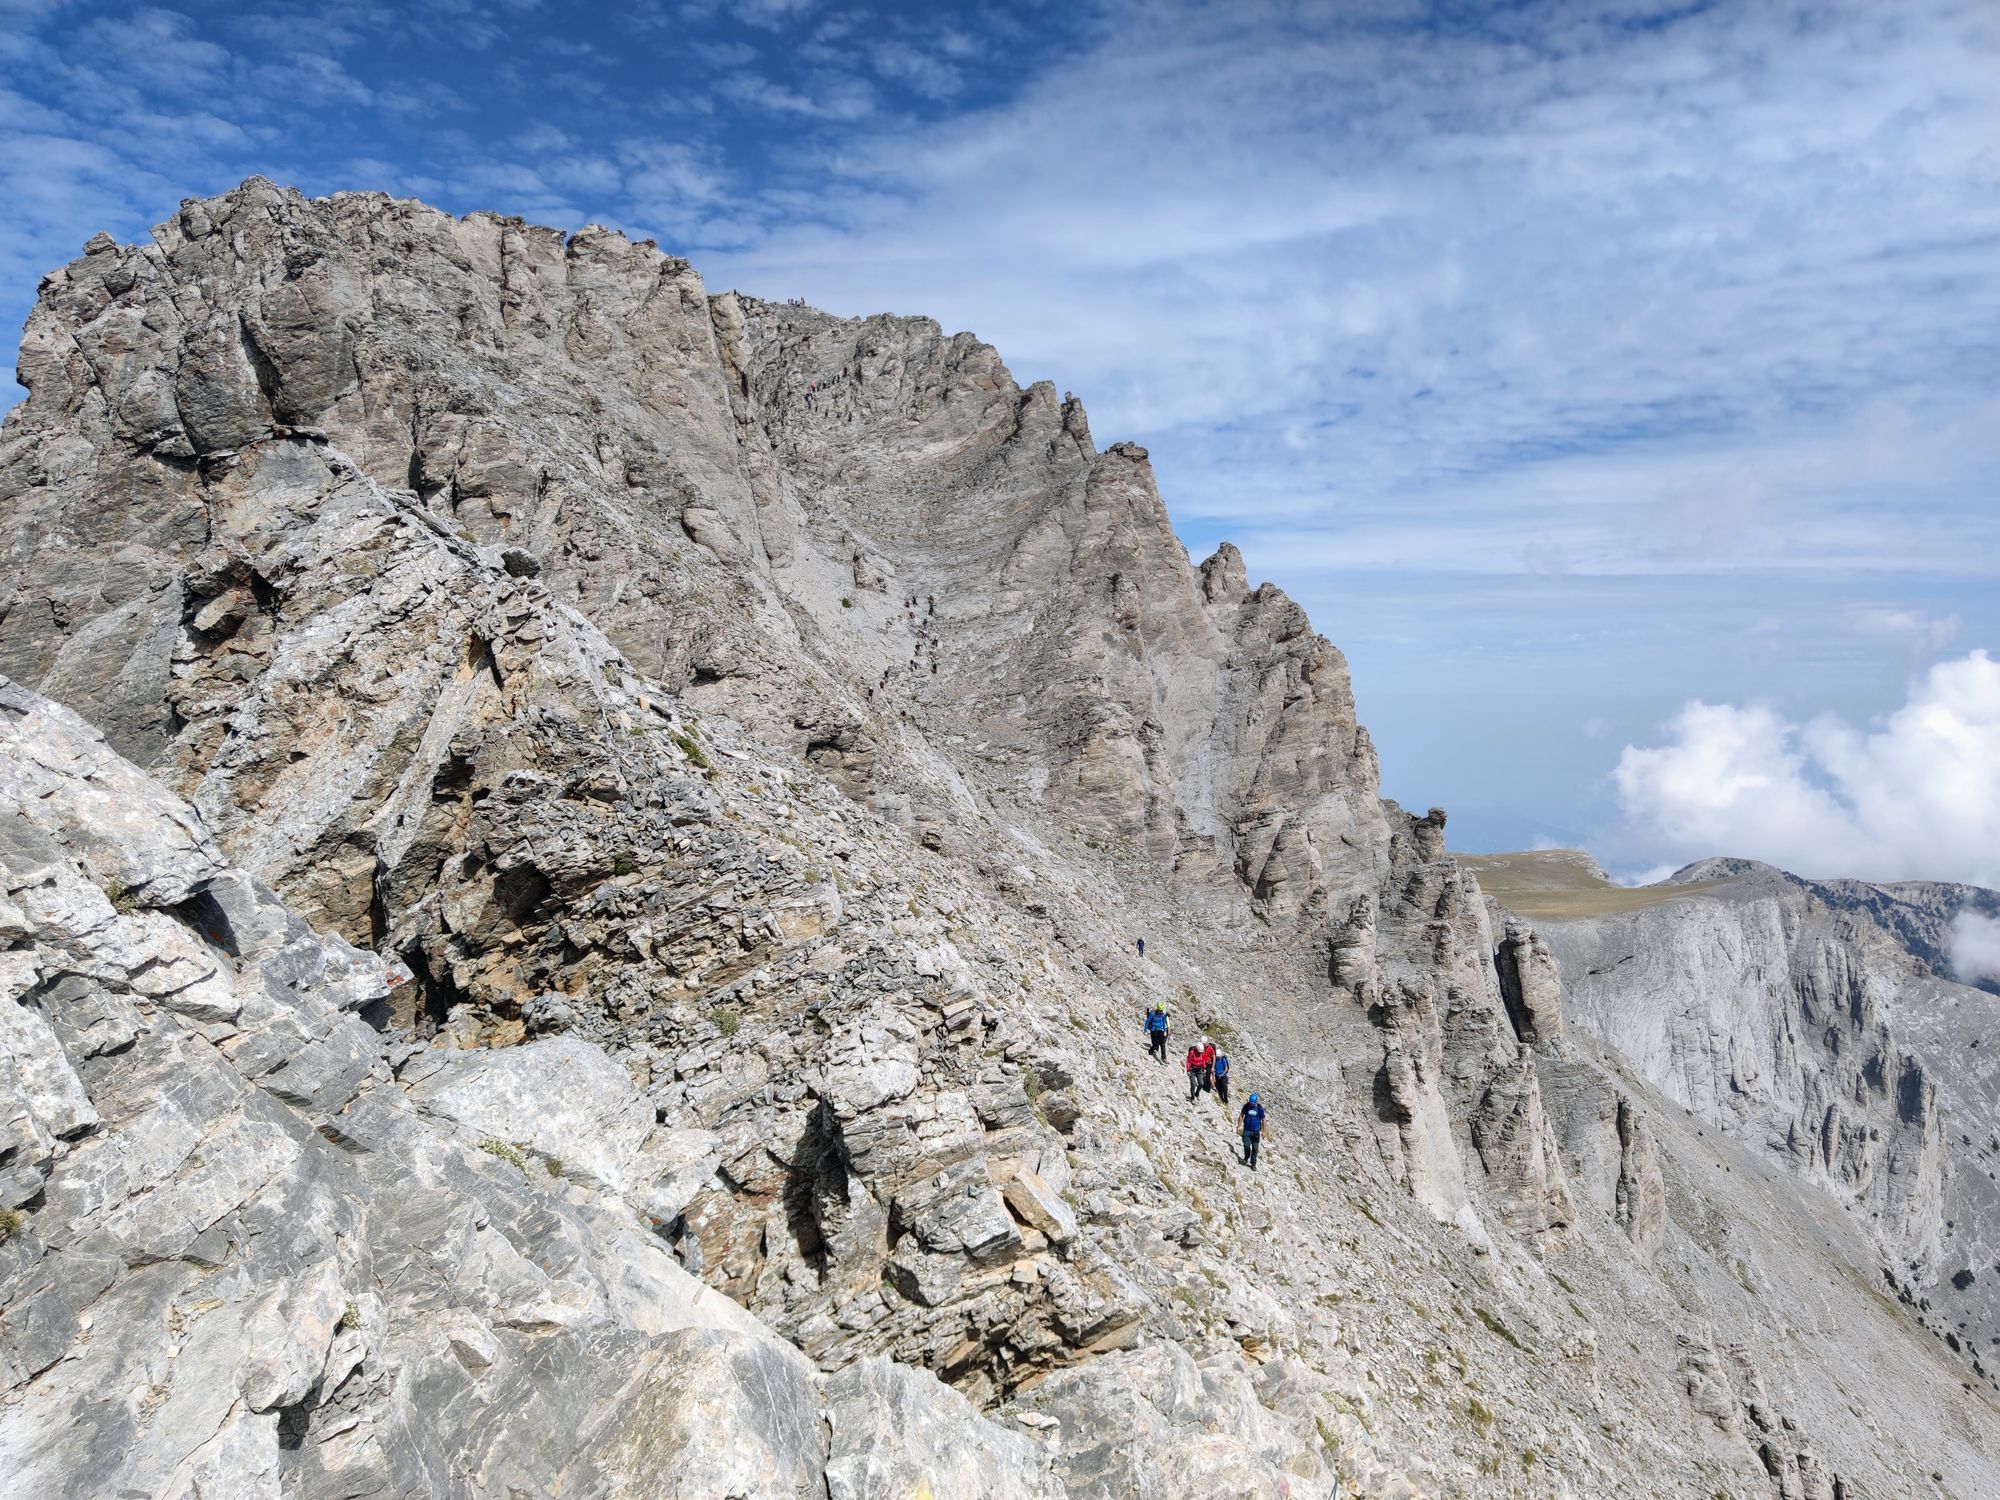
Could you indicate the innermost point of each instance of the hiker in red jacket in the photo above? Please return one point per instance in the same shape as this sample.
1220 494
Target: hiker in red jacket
1193 1066
1207 1063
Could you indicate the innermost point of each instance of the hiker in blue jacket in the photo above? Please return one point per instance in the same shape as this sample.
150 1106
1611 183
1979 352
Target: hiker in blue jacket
1251 1119
1220 1072
1156 1032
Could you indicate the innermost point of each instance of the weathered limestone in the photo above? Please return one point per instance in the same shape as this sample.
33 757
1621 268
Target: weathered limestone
1759 1008
251 1264
1531 986
673 783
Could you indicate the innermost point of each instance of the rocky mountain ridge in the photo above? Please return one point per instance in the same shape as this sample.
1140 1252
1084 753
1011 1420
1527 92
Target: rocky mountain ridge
801 716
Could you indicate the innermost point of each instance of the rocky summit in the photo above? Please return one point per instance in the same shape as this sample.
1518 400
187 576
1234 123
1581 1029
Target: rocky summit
581 863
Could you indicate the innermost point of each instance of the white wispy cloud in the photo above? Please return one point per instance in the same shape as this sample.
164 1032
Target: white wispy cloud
1703 278
1924 633
930 74
834 96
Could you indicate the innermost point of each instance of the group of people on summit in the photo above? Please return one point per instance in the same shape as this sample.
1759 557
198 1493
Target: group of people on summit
1208 1070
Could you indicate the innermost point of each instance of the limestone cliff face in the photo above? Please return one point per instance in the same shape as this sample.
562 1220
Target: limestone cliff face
1791 1015
743 497
745 744
1920 915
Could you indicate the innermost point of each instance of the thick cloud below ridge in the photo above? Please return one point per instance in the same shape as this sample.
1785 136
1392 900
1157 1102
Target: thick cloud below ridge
1914 797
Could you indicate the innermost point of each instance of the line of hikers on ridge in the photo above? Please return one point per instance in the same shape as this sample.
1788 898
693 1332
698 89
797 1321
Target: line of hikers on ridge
1208 1070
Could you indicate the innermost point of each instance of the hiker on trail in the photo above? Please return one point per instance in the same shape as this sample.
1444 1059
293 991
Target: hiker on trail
1207 1063
1220 1073
1142 947
1156 1033
1193 1067
1251 1119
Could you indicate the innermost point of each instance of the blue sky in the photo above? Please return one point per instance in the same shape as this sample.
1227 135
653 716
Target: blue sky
1570 361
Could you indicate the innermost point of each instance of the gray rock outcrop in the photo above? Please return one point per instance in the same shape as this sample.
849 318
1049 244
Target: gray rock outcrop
1802 1018
636 812
254 1260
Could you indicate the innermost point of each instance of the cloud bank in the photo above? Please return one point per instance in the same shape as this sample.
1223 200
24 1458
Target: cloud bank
1975 947
1915 797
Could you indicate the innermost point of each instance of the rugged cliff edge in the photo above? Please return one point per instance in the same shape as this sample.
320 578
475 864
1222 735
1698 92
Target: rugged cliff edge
1806 1019
741 747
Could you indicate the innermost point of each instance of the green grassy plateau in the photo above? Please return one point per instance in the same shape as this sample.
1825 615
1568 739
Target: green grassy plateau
1553 883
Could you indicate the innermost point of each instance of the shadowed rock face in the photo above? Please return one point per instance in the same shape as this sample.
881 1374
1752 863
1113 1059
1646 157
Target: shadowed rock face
745 744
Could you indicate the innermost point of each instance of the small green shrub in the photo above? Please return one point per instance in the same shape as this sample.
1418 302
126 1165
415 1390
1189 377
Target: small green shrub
1962 1279
1482 1415
691 748
846 603
12 1221
727 1020
350 1315
624 864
